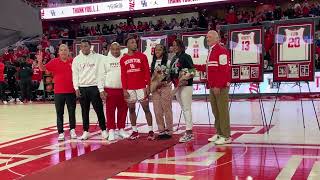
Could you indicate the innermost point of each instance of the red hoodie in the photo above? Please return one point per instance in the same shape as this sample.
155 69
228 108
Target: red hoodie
135 71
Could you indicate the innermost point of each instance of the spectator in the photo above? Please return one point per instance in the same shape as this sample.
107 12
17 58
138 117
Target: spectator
140 27
93 31
231 17
50 48
290 12
203 23
3 97
36 78
277 14
305 9
10 56
11 71
64 34
132 28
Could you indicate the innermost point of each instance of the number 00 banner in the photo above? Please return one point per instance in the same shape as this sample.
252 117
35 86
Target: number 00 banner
246 54
294 52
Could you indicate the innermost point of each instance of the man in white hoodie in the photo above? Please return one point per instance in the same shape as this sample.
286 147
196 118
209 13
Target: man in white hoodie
110 79
85 68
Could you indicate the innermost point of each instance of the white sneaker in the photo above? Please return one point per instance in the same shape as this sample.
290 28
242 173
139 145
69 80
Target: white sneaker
111 135
85 135
223 140
30 102
214 138
11 100
104 134
61 137
186 138
123 134
5 102
18 101
73 134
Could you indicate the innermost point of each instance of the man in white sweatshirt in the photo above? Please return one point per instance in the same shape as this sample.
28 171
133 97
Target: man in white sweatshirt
110 80
85 68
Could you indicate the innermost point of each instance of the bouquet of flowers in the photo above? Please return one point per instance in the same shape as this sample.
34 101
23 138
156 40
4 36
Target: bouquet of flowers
160 74
184 75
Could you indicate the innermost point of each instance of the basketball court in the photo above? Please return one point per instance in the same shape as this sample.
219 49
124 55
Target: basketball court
29 145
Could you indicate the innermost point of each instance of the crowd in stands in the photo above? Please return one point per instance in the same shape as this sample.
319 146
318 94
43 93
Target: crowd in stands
203 21
19 56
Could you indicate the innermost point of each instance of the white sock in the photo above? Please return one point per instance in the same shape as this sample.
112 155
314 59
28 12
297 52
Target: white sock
150 128
134 128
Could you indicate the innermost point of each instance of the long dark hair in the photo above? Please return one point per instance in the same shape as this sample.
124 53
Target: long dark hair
164 57
180 44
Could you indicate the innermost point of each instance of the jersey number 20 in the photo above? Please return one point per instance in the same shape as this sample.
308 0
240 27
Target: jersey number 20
294 42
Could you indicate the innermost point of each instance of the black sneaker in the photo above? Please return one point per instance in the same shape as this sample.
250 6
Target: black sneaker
161 135
167 134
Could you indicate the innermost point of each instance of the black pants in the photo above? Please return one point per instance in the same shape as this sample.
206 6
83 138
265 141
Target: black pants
26 89
60 100
3 96
91 95
35 87
13 88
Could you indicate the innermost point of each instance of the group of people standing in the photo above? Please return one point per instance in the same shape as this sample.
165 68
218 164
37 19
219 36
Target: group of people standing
18 75
122 80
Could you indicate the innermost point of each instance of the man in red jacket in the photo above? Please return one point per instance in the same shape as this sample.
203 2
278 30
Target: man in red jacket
135 78
218 81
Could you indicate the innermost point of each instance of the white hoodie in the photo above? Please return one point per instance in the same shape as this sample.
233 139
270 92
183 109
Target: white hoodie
85 70
110 72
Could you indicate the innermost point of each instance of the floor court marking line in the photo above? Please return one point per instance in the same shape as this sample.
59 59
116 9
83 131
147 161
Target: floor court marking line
33 137
27 139
205 149
150 175
17 155
9 166
315 171
273 145
288 171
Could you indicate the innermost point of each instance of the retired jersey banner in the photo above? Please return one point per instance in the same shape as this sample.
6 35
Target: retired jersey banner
148 44
294 52
197 48
246 54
